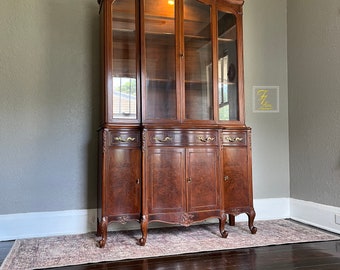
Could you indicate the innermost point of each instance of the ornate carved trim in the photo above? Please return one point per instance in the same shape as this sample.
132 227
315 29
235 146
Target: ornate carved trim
144 135
249 139
123 220
186 219
105 139
220 139
223 215
241 210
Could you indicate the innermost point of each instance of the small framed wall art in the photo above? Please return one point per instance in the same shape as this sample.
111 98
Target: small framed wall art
265 98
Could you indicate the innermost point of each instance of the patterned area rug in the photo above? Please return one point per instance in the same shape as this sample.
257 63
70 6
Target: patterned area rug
81 249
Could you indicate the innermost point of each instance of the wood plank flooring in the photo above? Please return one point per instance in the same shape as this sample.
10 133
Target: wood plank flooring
5 247
305 256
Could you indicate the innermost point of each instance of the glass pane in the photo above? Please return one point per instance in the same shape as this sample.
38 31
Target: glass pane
198 61
124 59
160 60
227 67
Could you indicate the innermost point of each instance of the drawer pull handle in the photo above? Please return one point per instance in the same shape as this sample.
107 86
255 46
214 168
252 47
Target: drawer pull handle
226 178
189 180
206 139
128 139
166 139
233 139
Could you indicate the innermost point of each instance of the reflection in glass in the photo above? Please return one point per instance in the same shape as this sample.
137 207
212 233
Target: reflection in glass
198 59
124 51
160 60
124 97
227 67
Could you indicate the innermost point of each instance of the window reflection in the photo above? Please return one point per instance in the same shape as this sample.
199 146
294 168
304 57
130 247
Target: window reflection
227 63
124 97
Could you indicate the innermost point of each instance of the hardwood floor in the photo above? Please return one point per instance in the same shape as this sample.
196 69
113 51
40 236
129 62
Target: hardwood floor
5 247
306 256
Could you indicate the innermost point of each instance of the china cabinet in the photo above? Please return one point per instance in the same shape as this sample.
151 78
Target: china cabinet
173 144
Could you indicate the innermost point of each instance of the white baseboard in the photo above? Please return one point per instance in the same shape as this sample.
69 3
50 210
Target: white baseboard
41 224
318 215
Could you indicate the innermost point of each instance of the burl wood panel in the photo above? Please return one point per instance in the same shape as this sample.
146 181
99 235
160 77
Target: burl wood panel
202 179
236 182
166 185
123 188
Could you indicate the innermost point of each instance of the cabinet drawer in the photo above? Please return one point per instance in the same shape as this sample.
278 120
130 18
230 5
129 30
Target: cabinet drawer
124 138
165 138
202 137
234 138
182 137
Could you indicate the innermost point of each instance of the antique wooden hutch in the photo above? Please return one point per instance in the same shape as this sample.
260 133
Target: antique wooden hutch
173 142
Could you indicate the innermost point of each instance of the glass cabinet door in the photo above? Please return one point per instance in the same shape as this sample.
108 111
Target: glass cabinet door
227 67
198 61
124 61
158 62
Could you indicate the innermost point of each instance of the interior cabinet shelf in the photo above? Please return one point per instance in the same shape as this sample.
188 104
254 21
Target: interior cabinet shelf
226 39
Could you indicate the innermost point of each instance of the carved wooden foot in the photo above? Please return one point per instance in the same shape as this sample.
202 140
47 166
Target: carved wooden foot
142 241
222 221
102 243
144 229
102 231
251 217
253 230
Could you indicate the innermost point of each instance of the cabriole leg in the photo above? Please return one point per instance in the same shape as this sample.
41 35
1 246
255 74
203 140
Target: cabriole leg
144 229
223 220
102 231
251 217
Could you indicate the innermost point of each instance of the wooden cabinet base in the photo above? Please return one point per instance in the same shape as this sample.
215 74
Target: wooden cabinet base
186 219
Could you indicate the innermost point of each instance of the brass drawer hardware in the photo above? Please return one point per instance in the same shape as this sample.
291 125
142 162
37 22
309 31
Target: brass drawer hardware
233 139
166 139
128 139
206 139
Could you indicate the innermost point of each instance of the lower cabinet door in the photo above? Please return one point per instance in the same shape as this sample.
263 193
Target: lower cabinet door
237 183
122 182
203 189
165 186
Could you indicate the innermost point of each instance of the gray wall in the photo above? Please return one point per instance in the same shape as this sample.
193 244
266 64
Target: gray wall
49 102
265 64
314 100
49 76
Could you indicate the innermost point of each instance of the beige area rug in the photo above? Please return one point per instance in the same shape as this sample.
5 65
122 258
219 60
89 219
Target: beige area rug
47 252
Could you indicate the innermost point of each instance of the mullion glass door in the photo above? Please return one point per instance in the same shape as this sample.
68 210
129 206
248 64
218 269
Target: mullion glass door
159 61
227 67
198 61
124 61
